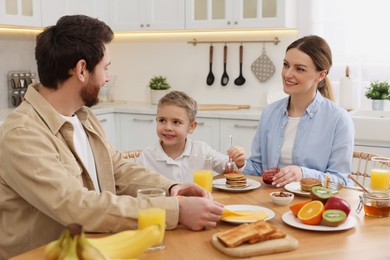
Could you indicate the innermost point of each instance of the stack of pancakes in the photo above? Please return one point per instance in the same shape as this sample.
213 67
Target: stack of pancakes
235 180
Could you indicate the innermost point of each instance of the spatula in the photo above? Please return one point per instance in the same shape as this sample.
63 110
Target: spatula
225 77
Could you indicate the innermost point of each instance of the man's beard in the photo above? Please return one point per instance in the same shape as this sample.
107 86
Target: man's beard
90 93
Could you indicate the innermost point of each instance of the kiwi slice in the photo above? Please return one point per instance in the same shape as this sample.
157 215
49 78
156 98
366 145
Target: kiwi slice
320 193
333 217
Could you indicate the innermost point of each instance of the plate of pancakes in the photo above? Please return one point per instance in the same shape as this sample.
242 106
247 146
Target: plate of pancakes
235 182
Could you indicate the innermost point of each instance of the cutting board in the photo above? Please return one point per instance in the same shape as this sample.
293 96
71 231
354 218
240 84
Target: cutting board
288 243
222 107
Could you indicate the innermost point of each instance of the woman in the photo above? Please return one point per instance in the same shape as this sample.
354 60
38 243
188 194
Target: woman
306 134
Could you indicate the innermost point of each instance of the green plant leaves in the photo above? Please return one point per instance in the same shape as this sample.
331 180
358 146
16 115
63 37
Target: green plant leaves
159 83
378 90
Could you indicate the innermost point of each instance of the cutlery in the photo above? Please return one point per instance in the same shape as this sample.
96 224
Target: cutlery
358 184
230 166
225 77
240 80
210 76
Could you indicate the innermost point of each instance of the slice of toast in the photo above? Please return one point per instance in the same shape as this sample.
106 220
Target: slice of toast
263 230
237 235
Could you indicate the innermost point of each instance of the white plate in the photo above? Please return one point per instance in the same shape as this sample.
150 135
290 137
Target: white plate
295 187
269 212
221 184
291 220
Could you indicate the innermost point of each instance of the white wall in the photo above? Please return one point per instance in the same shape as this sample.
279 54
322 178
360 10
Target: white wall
186 67
16 53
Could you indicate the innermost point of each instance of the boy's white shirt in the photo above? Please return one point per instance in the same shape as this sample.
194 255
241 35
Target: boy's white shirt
180 170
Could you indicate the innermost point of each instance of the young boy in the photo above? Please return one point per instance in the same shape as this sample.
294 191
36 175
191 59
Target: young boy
176 118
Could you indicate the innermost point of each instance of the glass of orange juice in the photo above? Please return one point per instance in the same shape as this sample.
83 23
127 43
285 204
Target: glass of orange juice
380 173
202 166
150 212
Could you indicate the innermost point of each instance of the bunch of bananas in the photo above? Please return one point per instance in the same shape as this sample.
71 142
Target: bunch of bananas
72 244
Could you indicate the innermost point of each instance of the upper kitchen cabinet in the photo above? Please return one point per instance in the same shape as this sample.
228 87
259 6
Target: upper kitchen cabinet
20 12
52 10
228 14
130 15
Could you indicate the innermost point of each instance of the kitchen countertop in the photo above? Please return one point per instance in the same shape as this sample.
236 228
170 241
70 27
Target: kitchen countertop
146 108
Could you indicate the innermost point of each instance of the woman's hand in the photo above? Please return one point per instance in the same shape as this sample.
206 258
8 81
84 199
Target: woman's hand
286 175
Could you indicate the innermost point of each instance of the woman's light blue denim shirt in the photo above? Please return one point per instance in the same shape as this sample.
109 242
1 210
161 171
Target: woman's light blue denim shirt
323 144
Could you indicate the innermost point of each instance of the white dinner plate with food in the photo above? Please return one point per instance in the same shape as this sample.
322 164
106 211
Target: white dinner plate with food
251 213
291 220
295 187
250 185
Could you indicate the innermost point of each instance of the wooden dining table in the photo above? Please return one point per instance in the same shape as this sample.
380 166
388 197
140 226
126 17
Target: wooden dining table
368 239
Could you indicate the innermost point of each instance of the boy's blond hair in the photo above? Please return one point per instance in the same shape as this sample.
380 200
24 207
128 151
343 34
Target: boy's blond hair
180 99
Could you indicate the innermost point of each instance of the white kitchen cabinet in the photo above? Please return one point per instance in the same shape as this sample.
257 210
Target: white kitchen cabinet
108 123
207 131
20 12
125 15
242 131
217 14
136 131
52 10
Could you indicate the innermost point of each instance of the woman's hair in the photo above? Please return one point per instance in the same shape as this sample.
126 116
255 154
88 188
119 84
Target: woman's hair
61 46
180 99
319 51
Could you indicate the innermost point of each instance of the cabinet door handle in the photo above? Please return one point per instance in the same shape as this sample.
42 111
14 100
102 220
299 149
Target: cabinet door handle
103 120
245 126
142 120
200 123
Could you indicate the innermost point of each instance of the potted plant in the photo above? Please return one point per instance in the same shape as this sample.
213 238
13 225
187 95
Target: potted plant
159 86
378 92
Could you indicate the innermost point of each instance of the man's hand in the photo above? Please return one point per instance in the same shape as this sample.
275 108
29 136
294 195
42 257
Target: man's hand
198 213
189 189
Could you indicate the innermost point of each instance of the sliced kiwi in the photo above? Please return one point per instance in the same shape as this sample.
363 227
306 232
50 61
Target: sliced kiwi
320 193
333 217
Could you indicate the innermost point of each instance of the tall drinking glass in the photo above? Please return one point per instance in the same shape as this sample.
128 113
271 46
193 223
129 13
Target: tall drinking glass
150 212
202 166
380 173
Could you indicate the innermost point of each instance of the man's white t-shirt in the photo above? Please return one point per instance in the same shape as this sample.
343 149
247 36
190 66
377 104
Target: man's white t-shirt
83 149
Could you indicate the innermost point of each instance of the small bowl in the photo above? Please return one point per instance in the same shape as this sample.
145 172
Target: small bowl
282 198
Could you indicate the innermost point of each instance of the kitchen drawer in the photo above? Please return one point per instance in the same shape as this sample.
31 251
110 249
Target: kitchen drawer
136 131
243 132
207 131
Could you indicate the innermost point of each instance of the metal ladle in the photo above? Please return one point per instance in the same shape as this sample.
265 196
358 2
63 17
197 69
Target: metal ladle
230 166
240 80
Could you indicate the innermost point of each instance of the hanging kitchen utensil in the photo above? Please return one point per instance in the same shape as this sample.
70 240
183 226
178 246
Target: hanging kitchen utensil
240 80
225 77
210 76
262 67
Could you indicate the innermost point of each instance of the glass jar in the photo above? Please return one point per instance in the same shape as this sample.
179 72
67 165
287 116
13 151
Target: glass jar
268 174
375 204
